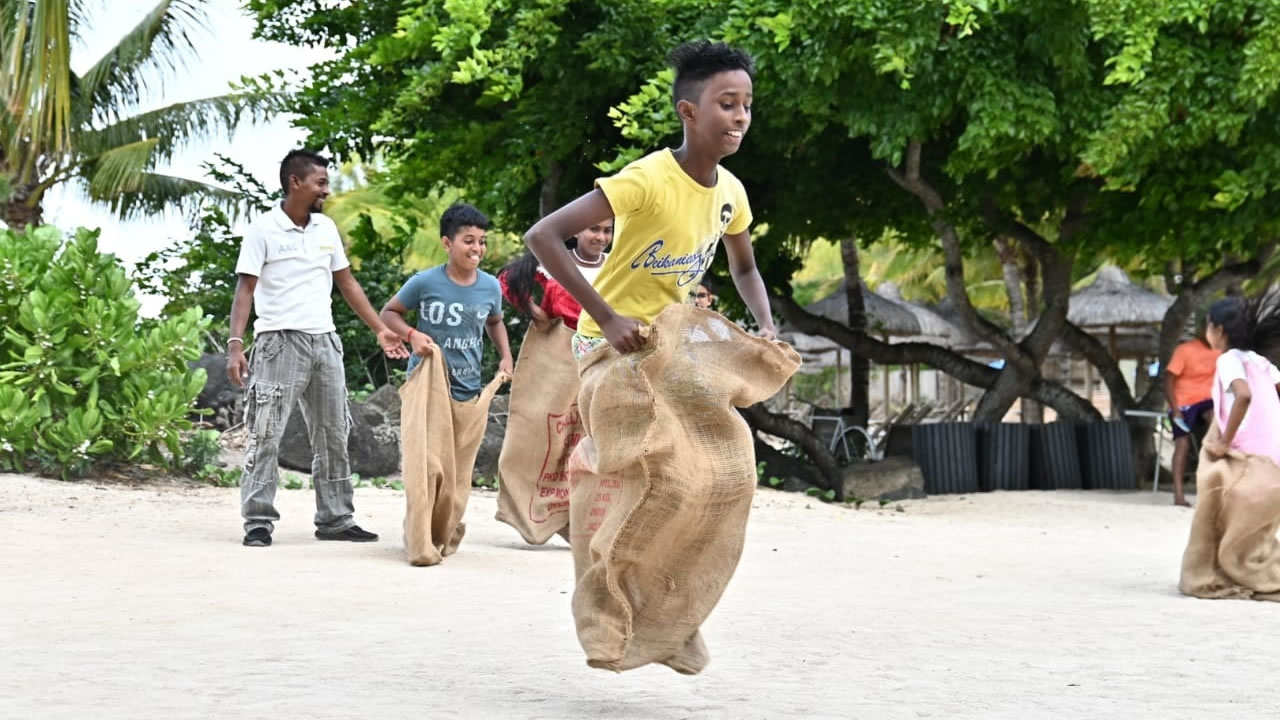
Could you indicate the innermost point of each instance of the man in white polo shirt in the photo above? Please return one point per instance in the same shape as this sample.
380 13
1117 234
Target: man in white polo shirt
290 259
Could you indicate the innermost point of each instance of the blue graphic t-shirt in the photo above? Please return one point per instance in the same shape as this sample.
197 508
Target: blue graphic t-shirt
454 317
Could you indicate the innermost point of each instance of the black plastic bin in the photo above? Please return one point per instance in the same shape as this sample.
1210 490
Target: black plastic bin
1004 456
898 444
947 454
1055 457
1106 456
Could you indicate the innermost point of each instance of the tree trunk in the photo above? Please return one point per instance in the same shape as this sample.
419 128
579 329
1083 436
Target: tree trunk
550 191
784 427
18 211
859 366
1031 273
1023 359
1032 411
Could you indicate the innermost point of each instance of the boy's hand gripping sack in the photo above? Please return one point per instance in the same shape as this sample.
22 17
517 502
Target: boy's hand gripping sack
543 428
439 439
662 485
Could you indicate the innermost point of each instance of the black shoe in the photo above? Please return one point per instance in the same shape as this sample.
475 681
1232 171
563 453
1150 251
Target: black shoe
351 534
258 537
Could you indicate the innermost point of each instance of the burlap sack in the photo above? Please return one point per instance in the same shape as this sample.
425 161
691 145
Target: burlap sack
543 428
1233 550
439 438
662 485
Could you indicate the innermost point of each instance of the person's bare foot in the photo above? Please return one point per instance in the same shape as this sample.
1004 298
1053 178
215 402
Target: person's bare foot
1182 502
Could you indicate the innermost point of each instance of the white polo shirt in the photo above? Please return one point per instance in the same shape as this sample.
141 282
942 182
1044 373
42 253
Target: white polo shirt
295 268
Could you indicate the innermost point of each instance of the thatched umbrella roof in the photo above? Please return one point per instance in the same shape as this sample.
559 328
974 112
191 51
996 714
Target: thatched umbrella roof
816 352
1113 300
884 316
933 326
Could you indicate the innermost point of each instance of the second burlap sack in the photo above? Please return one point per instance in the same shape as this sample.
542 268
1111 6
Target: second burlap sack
662 485
439 439
543 428
1232 550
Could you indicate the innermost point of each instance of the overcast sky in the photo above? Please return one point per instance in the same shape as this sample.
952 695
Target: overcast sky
224 53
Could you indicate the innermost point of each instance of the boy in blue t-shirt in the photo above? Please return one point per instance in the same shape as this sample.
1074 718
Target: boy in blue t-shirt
455 302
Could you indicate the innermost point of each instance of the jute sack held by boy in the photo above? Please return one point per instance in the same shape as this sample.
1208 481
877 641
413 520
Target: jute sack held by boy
662 485
543 428
444 406
671 464
439 439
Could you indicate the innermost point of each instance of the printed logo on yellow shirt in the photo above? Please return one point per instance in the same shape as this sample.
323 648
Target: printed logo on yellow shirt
687 268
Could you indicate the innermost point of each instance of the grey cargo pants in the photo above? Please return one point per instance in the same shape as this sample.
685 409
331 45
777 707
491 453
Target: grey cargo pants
287 367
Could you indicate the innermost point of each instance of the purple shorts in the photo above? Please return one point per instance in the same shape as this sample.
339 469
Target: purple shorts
1192 414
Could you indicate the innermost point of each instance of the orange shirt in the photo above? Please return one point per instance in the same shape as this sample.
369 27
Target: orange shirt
1192 367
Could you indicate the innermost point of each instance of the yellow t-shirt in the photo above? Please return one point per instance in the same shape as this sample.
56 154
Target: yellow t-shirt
666 231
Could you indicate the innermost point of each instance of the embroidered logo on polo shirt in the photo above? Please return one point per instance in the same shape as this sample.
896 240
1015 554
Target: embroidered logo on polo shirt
288 247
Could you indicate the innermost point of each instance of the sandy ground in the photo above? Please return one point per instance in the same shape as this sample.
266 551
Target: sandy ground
140 603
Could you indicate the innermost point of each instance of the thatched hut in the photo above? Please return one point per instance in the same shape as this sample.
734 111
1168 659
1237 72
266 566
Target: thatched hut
1114 301
934 327
885 318
1126 312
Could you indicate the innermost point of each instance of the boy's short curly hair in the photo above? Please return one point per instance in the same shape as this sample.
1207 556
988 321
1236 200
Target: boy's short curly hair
695 62
460 215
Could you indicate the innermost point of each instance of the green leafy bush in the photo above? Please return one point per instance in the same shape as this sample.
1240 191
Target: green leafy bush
82 380
199 449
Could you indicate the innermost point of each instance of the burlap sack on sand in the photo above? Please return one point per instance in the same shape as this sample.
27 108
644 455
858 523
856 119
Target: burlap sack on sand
543 428
1233 550
439 439
662 485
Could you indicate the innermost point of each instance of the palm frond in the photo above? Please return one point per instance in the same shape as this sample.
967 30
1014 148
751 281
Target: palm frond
173 126
35 76
119 170
158 45
154 193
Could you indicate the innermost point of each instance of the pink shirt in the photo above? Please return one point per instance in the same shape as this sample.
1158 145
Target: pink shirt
1259 431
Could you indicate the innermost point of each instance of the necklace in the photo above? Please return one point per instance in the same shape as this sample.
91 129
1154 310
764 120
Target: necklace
586 263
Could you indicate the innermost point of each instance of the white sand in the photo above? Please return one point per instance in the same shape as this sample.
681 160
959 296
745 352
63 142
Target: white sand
140 603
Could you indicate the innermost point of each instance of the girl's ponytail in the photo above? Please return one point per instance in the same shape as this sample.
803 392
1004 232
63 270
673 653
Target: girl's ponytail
520 276
1264 317
1250 323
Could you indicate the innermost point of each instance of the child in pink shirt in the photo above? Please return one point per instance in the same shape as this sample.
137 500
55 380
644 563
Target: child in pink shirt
1246 402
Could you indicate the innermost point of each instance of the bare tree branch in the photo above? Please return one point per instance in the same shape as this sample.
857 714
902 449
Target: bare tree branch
1099 356
1055 271
908 178
970 372
784 427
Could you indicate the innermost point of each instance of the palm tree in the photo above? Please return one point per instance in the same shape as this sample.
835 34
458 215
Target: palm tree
56 126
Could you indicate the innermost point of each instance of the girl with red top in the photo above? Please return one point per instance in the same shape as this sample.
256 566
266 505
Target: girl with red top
523 276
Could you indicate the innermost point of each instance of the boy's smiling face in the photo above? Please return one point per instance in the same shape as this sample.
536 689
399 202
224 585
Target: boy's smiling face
467 247
723 114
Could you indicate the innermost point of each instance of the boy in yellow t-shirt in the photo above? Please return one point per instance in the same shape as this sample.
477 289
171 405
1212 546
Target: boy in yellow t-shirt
672 207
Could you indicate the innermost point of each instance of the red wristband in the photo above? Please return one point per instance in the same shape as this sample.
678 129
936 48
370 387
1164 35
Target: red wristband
409 337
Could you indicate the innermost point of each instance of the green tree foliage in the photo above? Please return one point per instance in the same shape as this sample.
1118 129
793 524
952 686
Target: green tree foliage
82 380
505 102
57 126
